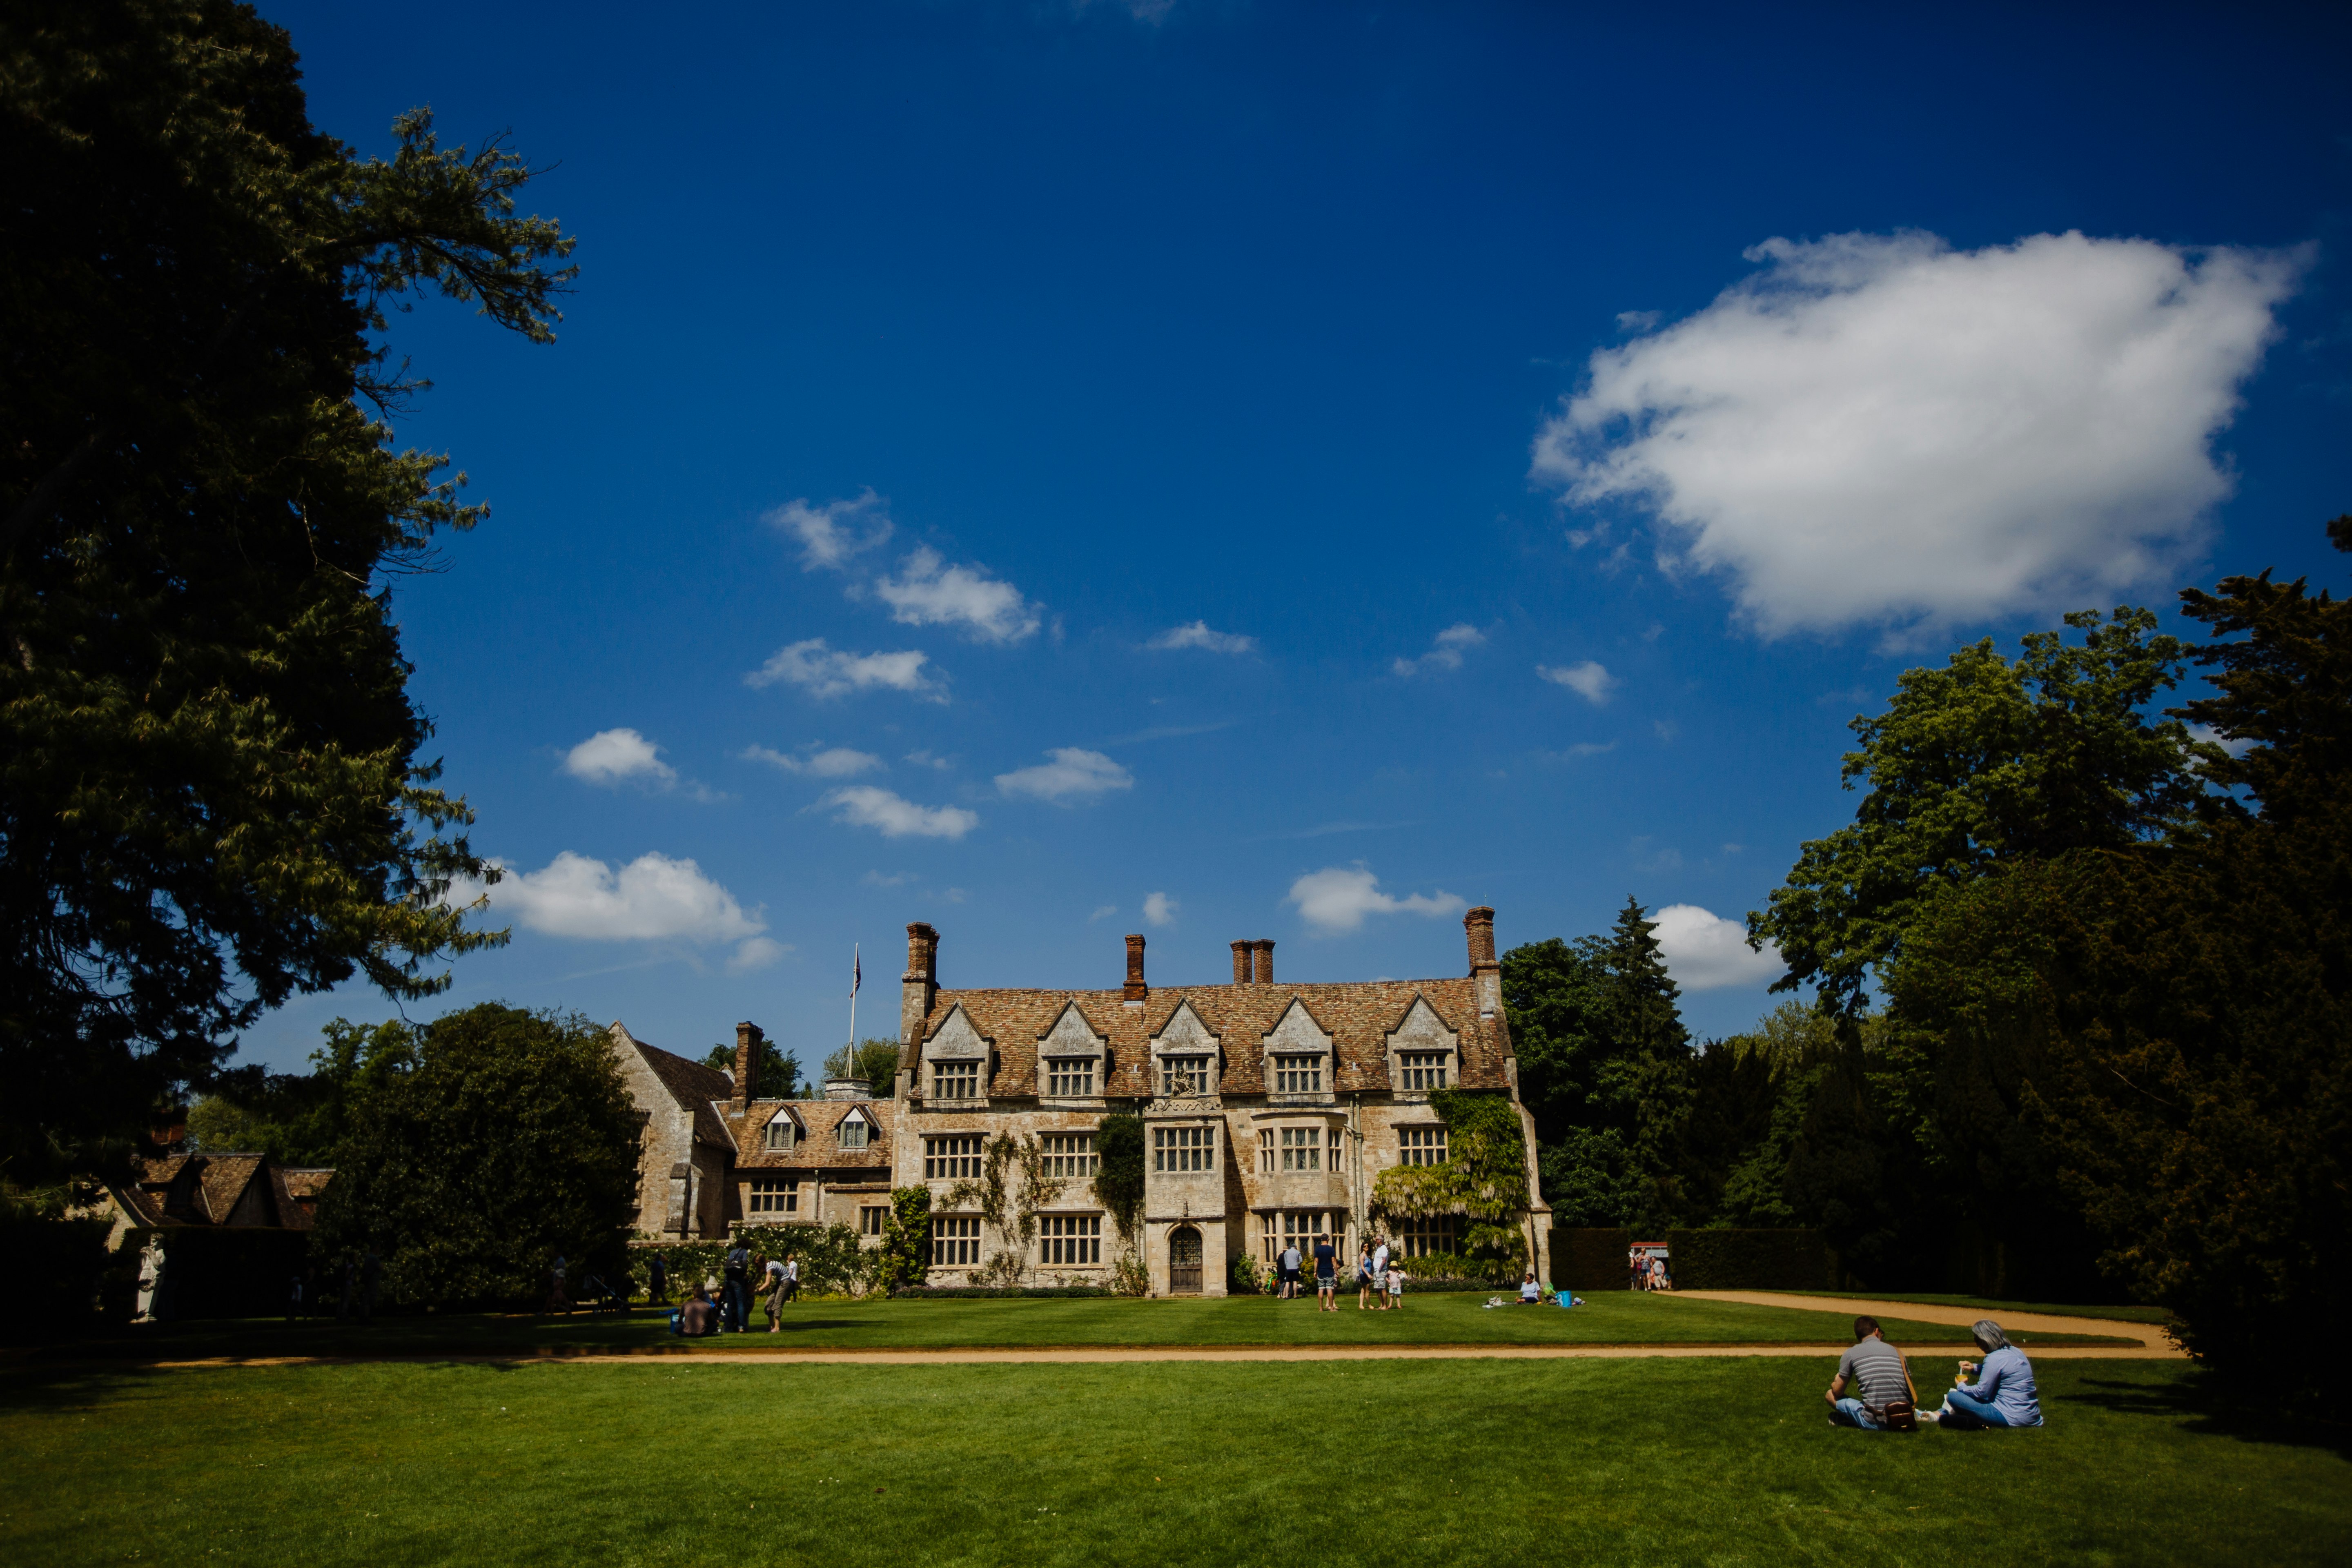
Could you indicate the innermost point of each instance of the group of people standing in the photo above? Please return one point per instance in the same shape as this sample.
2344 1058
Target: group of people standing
777 1280
1885 1399
1648 1271
1379 1275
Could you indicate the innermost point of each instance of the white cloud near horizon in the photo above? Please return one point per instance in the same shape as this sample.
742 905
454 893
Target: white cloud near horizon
1159 908
1588 680
833 762
1197 634
1704 951
1445 650
1074 774
611 757
826 672
829 535
1338 899
654 897
1878 429
895 816
928 592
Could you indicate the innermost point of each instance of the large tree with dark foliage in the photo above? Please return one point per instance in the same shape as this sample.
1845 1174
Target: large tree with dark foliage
480 1147
212 792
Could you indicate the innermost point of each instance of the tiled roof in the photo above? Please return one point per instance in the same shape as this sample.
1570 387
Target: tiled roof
207 1190
306 1181
224 1178
1357 1015
818 1148
692 1085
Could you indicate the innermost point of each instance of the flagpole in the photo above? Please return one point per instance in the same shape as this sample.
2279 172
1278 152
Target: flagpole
856 977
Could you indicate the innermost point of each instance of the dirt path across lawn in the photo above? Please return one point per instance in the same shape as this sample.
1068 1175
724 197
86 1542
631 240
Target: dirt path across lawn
2150 1337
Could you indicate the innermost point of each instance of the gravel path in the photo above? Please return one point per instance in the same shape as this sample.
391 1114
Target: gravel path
2150 1337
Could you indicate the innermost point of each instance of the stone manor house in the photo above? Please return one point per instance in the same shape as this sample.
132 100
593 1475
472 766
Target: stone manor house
1269 1111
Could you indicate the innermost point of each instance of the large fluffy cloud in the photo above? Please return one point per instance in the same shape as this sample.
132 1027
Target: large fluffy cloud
1882 429
652 898
1072 774
1704 951
1340 898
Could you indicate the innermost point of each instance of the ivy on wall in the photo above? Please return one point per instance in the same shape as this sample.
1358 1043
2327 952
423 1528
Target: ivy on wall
905 1255
1483 1178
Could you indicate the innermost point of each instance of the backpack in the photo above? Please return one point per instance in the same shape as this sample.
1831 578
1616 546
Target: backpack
1894 1416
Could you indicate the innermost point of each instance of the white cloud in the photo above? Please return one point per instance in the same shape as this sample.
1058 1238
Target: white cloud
1704 951
1074 774
834 763
1879 430
651 899
925 760
830 534
2212 737
1102 911
823 671
1198 635
1587 681
1159 908
612 756
755 953
1580 749
864 805
1445 650
929 593
1336 898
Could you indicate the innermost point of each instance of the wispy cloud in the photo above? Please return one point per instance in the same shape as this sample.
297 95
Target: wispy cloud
925 760
1198 635
895 879
831 534
928 592
1579 751
611 757
1169 732
834 763
1588 680
826 672
1102 912
1325 829
894 816
1340 898
1445 650
1072 774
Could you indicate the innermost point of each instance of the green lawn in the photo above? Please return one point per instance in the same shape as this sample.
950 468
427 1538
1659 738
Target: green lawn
1994 1308
1612 1318
1720 1461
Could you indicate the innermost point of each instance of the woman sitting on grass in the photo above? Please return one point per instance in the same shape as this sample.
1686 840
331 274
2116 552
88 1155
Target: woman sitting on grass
1530 1293
2003 1394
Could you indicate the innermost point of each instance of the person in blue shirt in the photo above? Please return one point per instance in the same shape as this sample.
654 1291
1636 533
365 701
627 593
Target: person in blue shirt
2003 1394
1327 1260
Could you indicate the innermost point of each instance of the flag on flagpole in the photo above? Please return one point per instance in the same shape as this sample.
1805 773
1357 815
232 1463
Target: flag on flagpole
856 971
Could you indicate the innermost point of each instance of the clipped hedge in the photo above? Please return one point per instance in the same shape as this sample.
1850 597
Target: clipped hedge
54 1267
1747 1259
977 1292
1594 1260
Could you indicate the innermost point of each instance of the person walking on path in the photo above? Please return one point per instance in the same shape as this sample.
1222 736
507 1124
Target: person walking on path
736 1309
1327 1275
657 1282
1289 1261
1879 1375
2003 1394
792 1275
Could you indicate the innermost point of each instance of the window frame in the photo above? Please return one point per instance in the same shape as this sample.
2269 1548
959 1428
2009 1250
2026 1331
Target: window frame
955 1241
863 1128
944 1153
1187 1075
1070 1077
1302 1149
1420 1144
772 1144
1305 1066
1069 1240
1421 1071
1188 1149
761 1194
963 1071
1079 1161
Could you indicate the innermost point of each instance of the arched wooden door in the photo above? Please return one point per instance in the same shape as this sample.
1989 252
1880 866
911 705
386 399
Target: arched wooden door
1184 1261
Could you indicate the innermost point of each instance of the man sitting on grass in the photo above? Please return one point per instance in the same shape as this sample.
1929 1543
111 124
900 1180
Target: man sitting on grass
1879 1374
699 1317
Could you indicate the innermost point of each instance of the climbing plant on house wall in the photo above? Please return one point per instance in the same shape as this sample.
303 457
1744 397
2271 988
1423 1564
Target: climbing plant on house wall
1483 1178
906 1251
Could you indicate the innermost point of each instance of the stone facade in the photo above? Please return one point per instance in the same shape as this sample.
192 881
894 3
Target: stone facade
1269 1111
686 1151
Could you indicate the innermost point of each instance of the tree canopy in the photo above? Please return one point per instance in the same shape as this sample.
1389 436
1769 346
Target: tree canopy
1982 762
480 1147
213 791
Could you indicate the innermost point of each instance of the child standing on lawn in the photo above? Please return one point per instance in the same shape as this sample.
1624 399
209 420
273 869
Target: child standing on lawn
1396 1284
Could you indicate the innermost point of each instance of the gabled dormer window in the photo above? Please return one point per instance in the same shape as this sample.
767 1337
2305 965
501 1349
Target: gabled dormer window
853 1131
780 1134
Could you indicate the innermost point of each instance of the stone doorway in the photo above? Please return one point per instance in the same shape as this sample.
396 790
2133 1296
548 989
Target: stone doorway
1184 1261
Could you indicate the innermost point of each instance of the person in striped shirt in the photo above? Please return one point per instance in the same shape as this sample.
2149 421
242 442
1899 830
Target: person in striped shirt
1878 1375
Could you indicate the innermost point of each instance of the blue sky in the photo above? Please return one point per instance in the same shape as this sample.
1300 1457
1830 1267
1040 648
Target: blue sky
1292 471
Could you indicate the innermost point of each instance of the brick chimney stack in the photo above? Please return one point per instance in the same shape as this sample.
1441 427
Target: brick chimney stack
919 987
1240 964
1263 949
1136 989
1479 925
748 1040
